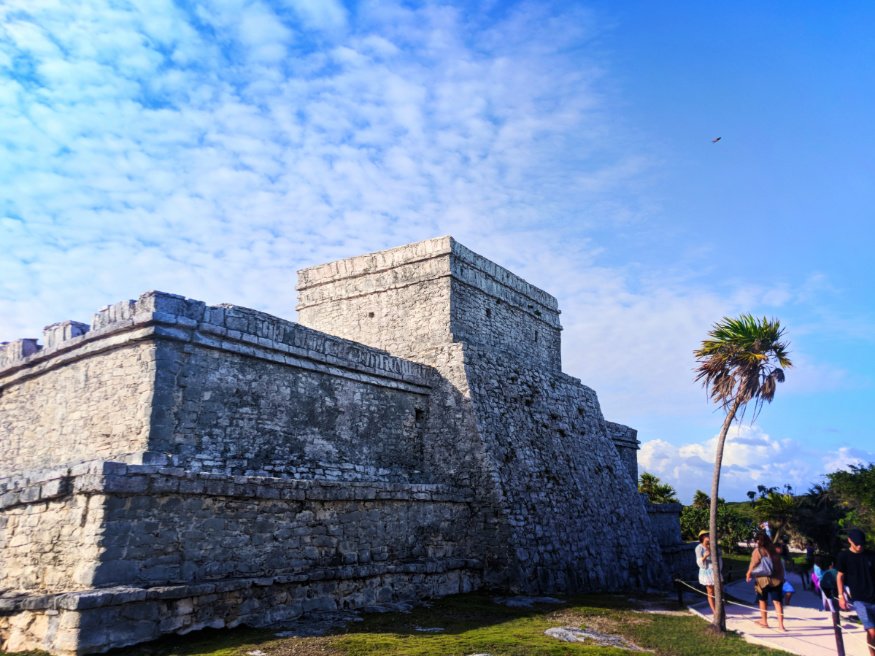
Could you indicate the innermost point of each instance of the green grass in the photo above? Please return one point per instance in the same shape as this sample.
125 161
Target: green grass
475 624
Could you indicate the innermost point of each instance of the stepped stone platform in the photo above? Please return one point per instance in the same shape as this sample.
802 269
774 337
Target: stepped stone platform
173 466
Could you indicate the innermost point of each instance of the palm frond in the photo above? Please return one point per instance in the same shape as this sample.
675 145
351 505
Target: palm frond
743 359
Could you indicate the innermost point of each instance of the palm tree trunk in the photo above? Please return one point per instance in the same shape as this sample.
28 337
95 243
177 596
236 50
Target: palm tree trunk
719 621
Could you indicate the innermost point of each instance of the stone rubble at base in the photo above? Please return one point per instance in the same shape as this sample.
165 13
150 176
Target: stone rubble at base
588 636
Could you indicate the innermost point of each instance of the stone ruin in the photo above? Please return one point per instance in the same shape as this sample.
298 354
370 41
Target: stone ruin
175 466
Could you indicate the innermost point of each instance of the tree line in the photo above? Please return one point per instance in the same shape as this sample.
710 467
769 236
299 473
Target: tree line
845 499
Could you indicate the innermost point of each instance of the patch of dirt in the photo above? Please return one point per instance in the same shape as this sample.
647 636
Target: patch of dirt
526 602
663 611
659 607
571 617
301 647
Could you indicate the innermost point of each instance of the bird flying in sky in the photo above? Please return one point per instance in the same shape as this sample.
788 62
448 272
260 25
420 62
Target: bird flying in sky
716 139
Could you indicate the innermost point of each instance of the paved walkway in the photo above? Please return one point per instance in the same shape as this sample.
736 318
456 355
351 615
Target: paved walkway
809 629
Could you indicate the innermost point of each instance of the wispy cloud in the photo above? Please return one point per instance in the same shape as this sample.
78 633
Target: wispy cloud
213 149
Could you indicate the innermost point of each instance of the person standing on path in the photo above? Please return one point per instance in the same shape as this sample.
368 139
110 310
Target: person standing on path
767 568
705 561
856 583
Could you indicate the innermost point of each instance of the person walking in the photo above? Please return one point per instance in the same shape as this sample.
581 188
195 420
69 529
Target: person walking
705 561
767 568
810 552
856 583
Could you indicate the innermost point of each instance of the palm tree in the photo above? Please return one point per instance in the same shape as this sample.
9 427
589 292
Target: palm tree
701 500
742 360
656 490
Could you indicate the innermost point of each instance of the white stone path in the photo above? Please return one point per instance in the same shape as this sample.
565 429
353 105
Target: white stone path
809 629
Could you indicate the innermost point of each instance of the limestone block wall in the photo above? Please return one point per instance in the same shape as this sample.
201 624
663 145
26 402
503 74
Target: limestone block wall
185 528
430 293
625 440
243 392
562 480
87 392
221 389
95 400
282 470
678 557
49 536
411 310
238 414
172 550
576 518
497 310
665 522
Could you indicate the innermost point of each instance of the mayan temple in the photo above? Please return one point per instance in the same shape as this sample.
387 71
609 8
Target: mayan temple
172 466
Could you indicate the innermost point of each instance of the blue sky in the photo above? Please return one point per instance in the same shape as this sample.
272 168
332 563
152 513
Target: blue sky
212 148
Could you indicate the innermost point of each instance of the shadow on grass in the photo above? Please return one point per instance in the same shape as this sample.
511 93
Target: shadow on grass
475 614
215 642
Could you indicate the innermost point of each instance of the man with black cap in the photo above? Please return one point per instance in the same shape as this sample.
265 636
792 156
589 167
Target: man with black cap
856 583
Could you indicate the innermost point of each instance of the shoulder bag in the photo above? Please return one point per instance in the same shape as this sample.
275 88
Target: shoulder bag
762 568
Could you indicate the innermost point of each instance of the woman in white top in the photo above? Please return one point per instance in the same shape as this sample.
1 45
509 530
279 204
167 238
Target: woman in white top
706 566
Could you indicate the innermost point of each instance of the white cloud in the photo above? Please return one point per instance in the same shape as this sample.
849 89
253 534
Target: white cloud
846 456
750 458
262 33
325 15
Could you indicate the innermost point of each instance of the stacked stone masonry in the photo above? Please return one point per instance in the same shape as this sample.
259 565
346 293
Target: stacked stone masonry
173 465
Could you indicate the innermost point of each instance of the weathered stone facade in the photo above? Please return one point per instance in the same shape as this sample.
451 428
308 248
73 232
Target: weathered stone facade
175 466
